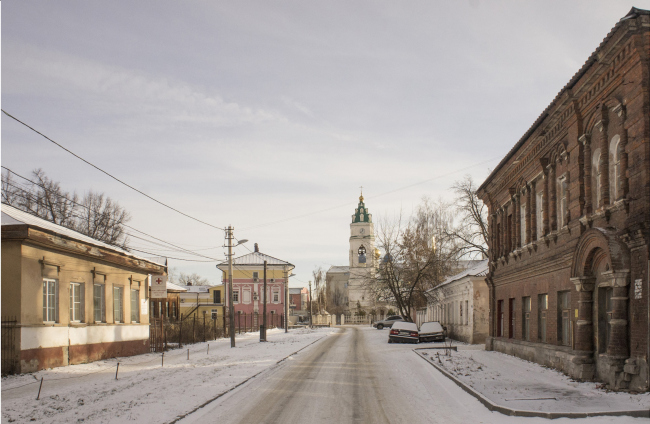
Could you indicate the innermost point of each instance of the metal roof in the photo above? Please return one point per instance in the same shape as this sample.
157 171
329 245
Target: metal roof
338 269
257 258
13 216
479 270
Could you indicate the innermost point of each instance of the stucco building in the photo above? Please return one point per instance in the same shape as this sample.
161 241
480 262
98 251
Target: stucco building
461 303
74 299
203 300
569 219
248 283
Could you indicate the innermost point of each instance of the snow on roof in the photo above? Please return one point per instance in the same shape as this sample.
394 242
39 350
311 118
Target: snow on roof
13 216
479 270
295 290
338 269
257 258
197 289
176 287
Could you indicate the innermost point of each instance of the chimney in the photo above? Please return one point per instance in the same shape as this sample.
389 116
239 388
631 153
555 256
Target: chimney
257 248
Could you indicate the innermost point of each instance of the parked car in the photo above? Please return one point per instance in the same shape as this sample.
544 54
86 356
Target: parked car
432 331
388 322
404 332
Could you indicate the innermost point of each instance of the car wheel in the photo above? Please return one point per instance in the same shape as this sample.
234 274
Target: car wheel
390 341
380 326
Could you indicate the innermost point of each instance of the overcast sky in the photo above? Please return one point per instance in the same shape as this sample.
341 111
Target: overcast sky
250 113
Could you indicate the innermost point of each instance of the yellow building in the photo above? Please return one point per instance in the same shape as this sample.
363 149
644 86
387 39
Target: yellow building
68 298
203 300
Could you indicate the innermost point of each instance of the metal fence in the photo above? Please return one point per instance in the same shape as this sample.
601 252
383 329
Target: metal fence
166 333
10 349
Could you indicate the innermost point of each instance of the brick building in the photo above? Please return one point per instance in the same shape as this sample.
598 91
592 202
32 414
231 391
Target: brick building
569 219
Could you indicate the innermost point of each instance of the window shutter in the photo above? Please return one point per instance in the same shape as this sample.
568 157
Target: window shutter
56 301
82 296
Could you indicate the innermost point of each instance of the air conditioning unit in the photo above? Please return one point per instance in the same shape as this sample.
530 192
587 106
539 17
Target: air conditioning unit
256 280
272 280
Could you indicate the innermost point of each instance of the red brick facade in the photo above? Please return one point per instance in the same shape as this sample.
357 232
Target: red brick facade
569 219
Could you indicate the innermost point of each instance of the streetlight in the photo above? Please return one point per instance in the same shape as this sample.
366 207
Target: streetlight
286 300
231 314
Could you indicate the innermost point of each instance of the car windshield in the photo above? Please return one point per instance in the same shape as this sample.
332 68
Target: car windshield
431 327
405 326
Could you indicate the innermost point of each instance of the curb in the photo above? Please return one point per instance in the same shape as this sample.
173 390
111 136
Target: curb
207 402
641 413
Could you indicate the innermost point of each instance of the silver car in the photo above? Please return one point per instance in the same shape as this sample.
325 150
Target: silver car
388 322
432 331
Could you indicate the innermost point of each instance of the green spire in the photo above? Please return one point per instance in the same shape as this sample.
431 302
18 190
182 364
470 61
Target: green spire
361 213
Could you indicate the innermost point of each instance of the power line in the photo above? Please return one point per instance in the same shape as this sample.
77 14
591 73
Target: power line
110 175
375 196
125 225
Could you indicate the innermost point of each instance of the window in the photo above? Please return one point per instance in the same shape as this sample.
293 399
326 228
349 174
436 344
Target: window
500 318
276 296
542 307
247 295
77 295
166 309
118 304
522 220
216 296
99 303
215 312
461 312
564 317
561 202
135 305
511 318
595 179
256 275
525 330
540 214
614 165
466 312
235 296
50 300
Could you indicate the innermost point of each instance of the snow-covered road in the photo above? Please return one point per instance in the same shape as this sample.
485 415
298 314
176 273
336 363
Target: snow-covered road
355 376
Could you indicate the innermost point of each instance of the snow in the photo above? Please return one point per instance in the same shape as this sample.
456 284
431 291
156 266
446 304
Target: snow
144 390
518 384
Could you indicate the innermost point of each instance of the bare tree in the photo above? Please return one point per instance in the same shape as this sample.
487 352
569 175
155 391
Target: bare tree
470 230
336 302
319 287
95 215
192 279
417 257
102 219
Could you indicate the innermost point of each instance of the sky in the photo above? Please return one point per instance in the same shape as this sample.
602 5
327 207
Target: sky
270 116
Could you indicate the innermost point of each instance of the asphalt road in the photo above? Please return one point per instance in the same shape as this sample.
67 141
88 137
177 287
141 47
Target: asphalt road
355 376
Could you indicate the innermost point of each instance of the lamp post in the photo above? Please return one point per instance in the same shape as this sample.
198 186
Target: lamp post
286 299
231 312
311 310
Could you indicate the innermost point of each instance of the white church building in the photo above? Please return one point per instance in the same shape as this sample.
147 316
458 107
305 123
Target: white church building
349 283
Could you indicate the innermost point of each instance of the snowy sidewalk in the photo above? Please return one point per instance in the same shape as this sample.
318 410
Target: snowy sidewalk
145 390
526 388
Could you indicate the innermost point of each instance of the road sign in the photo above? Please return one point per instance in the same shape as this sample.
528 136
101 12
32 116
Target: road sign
158 286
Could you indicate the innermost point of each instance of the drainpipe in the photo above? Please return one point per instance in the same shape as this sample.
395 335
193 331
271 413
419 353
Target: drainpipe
647 295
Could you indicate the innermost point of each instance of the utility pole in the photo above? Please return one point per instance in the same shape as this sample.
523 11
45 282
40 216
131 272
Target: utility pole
286 300
231 311
263 331
311 310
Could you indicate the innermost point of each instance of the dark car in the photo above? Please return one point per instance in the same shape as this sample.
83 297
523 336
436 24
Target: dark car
404 332
388 322
431 332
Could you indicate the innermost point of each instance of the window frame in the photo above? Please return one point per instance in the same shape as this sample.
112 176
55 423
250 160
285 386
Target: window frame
542 317
564 317
82 304
50 300
118 307
135 311
526 305
102 300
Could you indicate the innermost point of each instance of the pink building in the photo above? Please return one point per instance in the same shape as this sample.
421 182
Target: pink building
248 283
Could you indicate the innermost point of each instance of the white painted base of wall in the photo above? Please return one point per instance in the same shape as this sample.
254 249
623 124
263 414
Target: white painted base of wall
44 337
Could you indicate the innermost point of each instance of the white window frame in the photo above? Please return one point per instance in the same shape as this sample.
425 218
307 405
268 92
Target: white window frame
235 296
50 300
276 295
118 304
135 310
99 288
77 295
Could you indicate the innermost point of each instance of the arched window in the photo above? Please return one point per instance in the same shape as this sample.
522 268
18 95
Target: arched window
614 166
595 179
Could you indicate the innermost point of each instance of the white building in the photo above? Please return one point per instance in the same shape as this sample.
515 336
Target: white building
461 303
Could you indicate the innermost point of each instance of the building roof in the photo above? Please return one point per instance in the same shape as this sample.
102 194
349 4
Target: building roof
197 289
175 287
361 212
338 269
256 258
14 216
633 13
295 290
480 270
